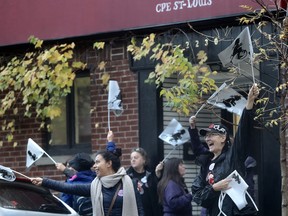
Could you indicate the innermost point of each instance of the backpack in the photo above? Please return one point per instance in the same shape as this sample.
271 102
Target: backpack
84 206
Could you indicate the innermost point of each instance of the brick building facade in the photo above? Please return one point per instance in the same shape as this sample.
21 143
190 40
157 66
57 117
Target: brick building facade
125 127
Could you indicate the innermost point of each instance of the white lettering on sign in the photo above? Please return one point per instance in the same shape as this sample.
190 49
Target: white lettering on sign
181 4
163 7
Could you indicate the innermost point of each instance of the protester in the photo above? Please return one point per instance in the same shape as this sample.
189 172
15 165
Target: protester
81 164
250 164
220 160
147 181
112 191
172 190
65 169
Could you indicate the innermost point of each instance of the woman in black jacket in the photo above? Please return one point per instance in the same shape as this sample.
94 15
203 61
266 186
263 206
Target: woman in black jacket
146 180
112 191
219 159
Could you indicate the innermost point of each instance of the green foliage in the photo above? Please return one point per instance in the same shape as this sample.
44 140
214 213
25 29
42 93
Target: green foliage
36 81
171 62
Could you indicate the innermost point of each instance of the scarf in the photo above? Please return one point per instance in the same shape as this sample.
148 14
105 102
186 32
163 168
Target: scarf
129 201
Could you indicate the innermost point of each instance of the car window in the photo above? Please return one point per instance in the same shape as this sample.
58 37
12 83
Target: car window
25 196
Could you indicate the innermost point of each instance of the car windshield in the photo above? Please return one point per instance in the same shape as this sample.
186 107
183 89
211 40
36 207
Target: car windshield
25 196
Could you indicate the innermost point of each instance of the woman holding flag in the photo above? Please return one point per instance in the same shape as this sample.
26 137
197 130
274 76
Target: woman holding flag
218 160
112 192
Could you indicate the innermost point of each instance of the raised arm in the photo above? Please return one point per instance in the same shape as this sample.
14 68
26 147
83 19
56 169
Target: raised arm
197 147
242 143
252 95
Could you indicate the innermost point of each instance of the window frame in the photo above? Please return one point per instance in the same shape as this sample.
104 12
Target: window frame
70 147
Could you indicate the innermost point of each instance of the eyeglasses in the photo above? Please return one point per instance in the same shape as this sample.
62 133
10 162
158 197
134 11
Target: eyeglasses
211 134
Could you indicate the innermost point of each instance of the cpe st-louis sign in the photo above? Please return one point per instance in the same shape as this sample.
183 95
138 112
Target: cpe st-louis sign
56 19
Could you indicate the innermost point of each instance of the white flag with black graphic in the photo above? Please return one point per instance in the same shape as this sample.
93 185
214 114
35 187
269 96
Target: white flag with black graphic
229 99
115 98
237 192
239 50
34 152
7 173
175 134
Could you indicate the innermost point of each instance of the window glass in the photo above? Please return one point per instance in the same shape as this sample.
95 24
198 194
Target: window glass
72 130
82 110
23 196
59 126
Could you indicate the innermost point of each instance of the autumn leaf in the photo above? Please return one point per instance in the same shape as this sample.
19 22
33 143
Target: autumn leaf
99 45
105 78
102 65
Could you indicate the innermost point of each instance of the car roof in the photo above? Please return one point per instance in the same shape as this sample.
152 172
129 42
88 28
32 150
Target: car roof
20 196
25 183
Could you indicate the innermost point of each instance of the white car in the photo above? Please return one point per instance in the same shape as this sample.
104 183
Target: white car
22 198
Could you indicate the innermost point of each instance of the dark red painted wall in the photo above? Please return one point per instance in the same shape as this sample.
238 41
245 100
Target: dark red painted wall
57 19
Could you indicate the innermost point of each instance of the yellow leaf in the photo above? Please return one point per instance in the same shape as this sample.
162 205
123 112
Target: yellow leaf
9 137
99 45
38 44
105 78
101 65
15 144
79 65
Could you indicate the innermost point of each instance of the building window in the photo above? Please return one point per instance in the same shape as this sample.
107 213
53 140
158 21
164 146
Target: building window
71 132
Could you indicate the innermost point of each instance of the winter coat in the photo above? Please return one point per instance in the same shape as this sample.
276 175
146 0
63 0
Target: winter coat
231 158
84 190
147 186
176 200
86 176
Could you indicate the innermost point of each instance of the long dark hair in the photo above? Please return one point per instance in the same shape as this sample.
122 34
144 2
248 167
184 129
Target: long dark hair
170 172
113 156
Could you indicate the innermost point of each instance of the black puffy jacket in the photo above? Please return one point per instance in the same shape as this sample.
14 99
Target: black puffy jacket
231 158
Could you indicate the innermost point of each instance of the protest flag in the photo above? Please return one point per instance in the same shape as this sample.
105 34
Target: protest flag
6 174
238 51
227 98
237 190
175 135
114 100
33 153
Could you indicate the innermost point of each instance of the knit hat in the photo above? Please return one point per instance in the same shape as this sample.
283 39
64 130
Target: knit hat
81 162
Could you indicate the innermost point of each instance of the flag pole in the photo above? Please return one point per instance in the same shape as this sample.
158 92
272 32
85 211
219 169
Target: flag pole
203 105
108 119
21 174
168 154
50 157
252 69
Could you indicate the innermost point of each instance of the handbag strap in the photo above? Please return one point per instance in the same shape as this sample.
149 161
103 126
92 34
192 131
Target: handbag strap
114 198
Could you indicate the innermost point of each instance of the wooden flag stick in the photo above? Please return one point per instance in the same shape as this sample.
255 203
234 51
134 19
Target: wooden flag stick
50 158
108 119
203 105
21 174
168 154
